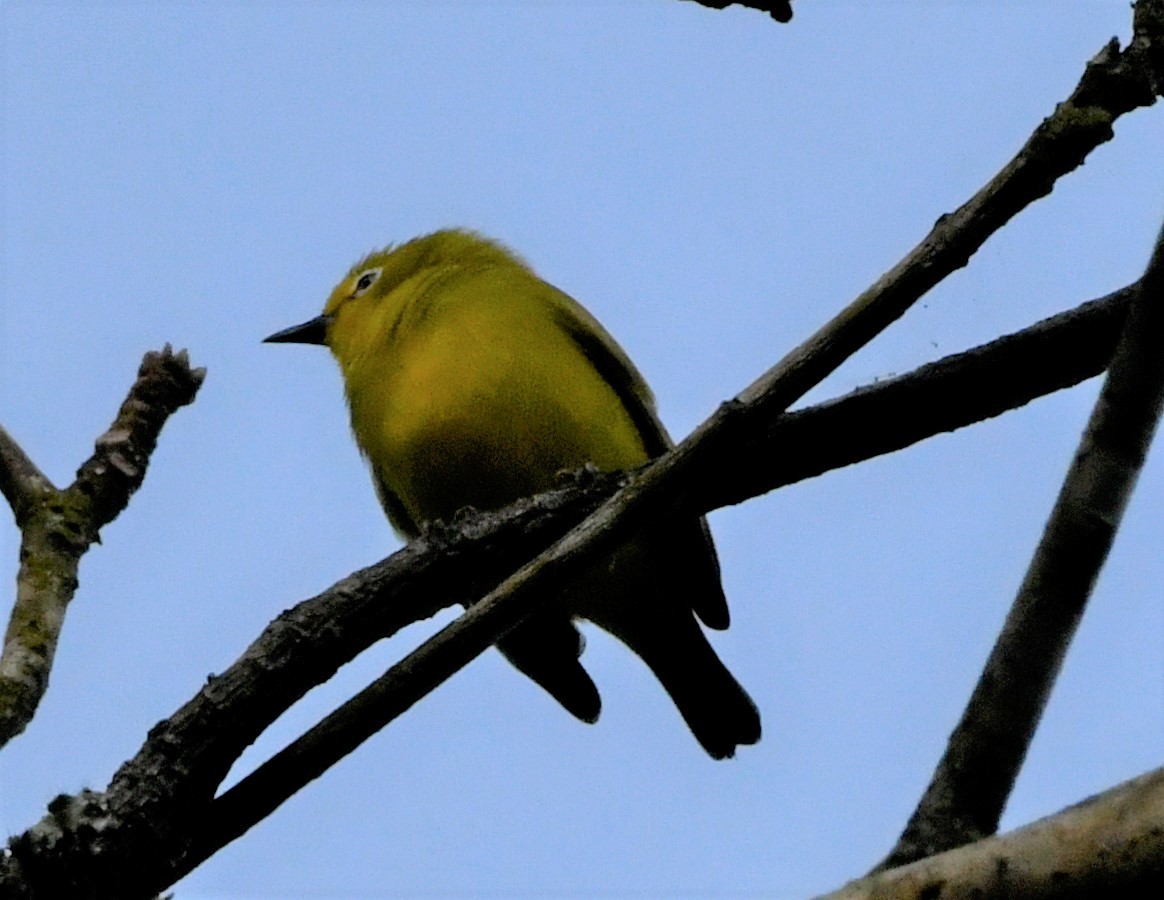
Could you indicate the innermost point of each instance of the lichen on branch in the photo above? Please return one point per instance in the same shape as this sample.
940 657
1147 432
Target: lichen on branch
58 525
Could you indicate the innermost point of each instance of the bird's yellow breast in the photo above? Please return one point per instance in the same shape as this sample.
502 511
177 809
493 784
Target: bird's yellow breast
473 394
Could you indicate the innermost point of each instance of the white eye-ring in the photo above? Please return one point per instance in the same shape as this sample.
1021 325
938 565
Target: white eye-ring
365 280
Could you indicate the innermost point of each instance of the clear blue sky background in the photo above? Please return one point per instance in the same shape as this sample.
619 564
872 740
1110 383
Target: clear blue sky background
713 186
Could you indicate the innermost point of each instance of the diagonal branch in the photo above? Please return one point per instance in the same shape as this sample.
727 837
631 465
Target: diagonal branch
1057 146
941 396
189 753
58 526
954 392
151 810
186 756
1110 845
21 482
965 799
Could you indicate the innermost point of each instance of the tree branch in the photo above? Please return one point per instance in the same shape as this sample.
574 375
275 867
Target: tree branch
975 776
58 526
942 396
1113 83
1110 845
154 802
780 10
185 757
21 482
939 397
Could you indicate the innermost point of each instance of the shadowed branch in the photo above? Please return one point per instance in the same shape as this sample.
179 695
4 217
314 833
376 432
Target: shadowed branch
970 787
158 812
939 397
780 10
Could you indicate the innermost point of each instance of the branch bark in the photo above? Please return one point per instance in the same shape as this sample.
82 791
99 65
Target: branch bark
130 840
58 526
21 482
185 757
1110 845
942 396
965 799
891 415
939 397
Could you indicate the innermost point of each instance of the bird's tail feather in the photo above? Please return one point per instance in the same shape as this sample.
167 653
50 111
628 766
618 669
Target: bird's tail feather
546 647
717 709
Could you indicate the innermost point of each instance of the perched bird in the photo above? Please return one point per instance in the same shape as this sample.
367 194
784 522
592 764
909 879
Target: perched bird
472 382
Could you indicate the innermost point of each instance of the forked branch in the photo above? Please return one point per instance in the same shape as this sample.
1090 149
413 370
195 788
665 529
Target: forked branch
58 526
153 816
974 778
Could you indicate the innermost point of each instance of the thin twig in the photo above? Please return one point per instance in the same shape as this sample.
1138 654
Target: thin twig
780 10
1113 83
974 778
58 526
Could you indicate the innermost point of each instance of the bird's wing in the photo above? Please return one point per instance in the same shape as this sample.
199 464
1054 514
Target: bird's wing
616 369
607 357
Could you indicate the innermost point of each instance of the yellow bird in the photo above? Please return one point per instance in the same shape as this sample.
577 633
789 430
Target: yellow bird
472 382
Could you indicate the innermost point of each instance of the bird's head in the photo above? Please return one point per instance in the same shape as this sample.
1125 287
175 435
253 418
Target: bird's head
361 306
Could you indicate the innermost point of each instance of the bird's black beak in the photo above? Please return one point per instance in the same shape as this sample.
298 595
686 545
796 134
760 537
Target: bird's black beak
313 331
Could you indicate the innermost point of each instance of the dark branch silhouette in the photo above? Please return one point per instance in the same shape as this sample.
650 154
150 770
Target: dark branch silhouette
970 787
780 10
158 818
959 391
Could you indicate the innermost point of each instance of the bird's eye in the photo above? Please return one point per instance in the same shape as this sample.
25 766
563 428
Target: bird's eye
366 279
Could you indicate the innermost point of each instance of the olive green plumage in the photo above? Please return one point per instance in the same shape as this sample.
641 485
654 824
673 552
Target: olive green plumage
472 382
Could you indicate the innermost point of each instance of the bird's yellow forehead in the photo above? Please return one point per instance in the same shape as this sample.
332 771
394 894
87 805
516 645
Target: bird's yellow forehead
450 247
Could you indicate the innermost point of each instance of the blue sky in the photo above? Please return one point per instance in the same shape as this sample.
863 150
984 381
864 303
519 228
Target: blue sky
712 186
